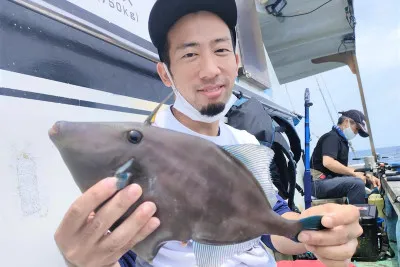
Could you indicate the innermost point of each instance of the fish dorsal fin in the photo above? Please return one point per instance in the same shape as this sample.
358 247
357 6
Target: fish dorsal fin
215 255
257 159
149 118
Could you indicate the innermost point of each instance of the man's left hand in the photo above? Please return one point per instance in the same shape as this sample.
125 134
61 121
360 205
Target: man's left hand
334 246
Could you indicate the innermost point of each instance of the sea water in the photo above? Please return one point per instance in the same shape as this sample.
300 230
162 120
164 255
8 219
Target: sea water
387 154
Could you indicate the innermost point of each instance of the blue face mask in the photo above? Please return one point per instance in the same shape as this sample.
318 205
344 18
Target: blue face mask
348 132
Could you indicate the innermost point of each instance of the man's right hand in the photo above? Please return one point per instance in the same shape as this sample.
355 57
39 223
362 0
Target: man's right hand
361 176
81 236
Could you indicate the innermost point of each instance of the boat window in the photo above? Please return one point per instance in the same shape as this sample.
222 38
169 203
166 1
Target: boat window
251 47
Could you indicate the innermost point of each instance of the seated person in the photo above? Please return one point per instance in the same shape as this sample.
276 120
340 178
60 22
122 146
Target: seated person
332 178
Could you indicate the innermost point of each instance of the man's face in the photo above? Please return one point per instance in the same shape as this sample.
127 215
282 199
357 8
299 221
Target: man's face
203 64
353 125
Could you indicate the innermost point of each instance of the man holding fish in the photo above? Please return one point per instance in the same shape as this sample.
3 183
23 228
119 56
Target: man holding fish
196 43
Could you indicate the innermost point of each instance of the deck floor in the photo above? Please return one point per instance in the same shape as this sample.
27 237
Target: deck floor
386 263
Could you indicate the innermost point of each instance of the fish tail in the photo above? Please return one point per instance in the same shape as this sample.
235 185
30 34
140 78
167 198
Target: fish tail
215 255
310 223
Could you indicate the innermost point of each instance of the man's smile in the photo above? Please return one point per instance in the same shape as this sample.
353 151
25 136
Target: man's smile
212 91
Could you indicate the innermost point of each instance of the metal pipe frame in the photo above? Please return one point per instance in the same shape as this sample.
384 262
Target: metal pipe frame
364 104
59 15
69 19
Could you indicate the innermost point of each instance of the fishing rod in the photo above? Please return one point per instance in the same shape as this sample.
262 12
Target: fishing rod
350 59
323 97
290 99
330 115
329 93
307 171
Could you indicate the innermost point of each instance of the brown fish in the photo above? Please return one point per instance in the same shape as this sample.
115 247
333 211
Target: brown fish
219 197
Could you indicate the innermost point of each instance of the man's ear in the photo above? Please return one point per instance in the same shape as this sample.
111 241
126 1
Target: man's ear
163 74
237 63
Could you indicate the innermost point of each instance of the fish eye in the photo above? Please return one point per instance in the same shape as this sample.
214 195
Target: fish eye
135 136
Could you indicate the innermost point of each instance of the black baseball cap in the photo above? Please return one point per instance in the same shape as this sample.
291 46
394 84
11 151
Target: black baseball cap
359 118
165 13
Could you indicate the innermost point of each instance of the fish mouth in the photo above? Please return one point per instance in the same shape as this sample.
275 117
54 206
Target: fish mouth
55 131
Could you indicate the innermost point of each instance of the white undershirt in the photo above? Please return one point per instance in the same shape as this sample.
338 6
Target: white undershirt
174 253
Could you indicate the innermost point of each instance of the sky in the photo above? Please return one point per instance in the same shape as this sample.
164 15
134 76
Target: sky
378 54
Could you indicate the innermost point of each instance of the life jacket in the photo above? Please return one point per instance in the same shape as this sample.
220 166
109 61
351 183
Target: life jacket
270 129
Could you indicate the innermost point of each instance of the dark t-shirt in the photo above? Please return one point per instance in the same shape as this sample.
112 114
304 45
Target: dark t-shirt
330 144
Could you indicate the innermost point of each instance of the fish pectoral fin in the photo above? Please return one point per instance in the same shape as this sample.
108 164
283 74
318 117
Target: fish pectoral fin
257 159
122 174
208 255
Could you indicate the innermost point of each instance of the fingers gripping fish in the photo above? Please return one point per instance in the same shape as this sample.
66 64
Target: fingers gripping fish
219 197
